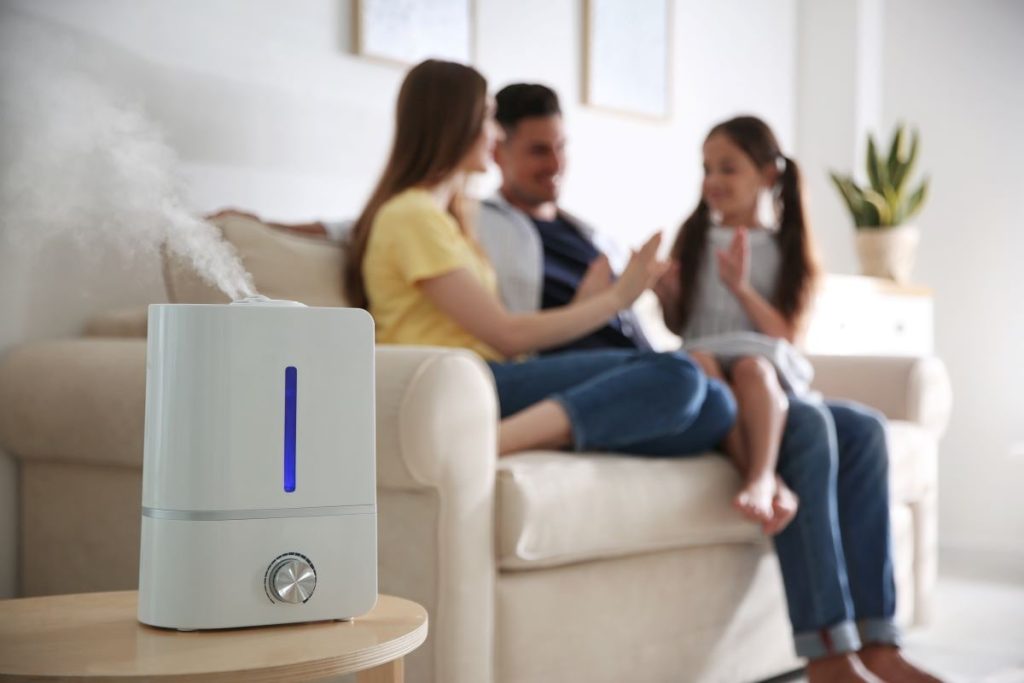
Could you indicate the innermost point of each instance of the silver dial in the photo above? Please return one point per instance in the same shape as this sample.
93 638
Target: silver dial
291 578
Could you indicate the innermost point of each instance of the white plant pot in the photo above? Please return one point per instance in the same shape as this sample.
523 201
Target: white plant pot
888 252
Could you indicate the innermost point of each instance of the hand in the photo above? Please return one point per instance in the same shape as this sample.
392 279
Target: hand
734 262
641 272
597 279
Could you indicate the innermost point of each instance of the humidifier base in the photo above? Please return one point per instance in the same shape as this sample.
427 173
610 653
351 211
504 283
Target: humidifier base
208 572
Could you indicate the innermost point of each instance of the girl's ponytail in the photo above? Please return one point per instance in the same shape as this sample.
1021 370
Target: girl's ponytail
688 250
800 271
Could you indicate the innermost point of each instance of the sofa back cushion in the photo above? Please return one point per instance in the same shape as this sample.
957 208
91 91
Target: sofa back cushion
283 265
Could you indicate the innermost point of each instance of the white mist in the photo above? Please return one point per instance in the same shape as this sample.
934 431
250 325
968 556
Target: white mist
79 162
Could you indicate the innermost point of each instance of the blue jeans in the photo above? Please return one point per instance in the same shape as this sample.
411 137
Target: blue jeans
623 400
836 555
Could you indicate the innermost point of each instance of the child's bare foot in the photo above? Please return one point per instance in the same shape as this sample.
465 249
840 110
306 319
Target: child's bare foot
754 500
886 662
784 507
845 668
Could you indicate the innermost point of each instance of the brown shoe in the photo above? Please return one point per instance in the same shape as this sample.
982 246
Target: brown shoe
844 668
888 663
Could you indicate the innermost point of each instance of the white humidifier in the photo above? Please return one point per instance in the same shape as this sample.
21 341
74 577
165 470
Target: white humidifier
258 494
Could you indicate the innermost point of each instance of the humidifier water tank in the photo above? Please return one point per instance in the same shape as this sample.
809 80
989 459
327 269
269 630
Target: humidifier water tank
258 495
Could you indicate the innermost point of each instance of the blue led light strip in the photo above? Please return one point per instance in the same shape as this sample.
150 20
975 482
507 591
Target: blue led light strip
291 391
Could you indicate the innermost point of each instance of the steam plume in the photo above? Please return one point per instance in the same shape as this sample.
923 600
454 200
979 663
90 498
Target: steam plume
77 161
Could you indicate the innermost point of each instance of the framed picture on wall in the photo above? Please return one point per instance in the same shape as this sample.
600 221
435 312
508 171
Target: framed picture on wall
409 31
627 56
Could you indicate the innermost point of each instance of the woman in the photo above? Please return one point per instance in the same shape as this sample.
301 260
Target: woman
413 262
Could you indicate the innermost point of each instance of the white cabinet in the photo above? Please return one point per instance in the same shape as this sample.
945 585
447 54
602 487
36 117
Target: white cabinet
856 315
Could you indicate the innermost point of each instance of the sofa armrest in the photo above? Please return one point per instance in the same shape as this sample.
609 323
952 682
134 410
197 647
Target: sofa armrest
75 400
436 469
437 418
912 388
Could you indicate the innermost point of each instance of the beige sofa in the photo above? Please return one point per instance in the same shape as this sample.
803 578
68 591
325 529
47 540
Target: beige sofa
544 566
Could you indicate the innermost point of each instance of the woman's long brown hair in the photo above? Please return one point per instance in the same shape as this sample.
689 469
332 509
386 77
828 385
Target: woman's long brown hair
799 270
440 113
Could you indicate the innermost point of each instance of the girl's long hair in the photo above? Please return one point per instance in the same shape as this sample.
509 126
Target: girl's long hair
799 270
440 113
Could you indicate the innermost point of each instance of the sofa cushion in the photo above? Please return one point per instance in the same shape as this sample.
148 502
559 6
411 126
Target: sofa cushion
283 265
75 400
557 508
118 323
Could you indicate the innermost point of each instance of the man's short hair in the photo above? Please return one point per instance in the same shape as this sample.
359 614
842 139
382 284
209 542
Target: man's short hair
523 101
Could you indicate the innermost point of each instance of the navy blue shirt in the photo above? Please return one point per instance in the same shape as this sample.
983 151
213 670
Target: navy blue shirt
567 255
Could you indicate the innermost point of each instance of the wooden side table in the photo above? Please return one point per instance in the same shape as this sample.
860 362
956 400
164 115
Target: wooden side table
95 636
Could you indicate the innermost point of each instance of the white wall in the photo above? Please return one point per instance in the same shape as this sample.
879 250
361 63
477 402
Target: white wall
269 110
839 99
955 70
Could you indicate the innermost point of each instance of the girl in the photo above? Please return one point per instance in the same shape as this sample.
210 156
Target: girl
415 264
740 285
743 275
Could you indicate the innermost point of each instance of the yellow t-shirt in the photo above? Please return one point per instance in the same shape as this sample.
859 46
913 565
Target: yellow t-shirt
412 240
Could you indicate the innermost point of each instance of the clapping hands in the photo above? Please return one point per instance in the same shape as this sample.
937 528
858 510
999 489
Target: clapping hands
643 270
734 262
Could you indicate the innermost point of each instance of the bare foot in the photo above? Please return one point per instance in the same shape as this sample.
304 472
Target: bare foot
845 668
888 663
754 501
784 507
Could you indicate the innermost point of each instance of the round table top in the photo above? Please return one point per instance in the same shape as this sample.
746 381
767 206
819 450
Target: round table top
97 635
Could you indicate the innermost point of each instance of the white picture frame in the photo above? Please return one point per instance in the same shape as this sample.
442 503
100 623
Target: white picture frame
628 57
406 32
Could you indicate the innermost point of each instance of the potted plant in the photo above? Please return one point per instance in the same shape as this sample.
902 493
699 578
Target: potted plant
886 244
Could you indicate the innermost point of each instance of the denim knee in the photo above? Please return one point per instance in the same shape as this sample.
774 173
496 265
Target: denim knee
719 408
674 363
809 449
675 371
866 433
873 429
677 378
808 422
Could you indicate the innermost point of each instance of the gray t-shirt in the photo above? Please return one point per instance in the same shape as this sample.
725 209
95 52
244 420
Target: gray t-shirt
721 327
716 311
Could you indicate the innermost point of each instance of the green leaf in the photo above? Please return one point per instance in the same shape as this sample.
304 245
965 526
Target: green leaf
895 151
906 164
885 202
898 213
852 195
869 217
877 172
894 200
881 207
916 199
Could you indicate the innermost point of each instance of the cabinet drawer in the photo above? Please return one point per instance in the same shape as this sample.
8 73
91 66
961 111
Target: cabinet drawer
856 321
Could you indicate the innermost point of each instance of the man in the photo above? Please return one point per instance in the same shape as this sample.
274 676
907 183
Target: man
544 257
